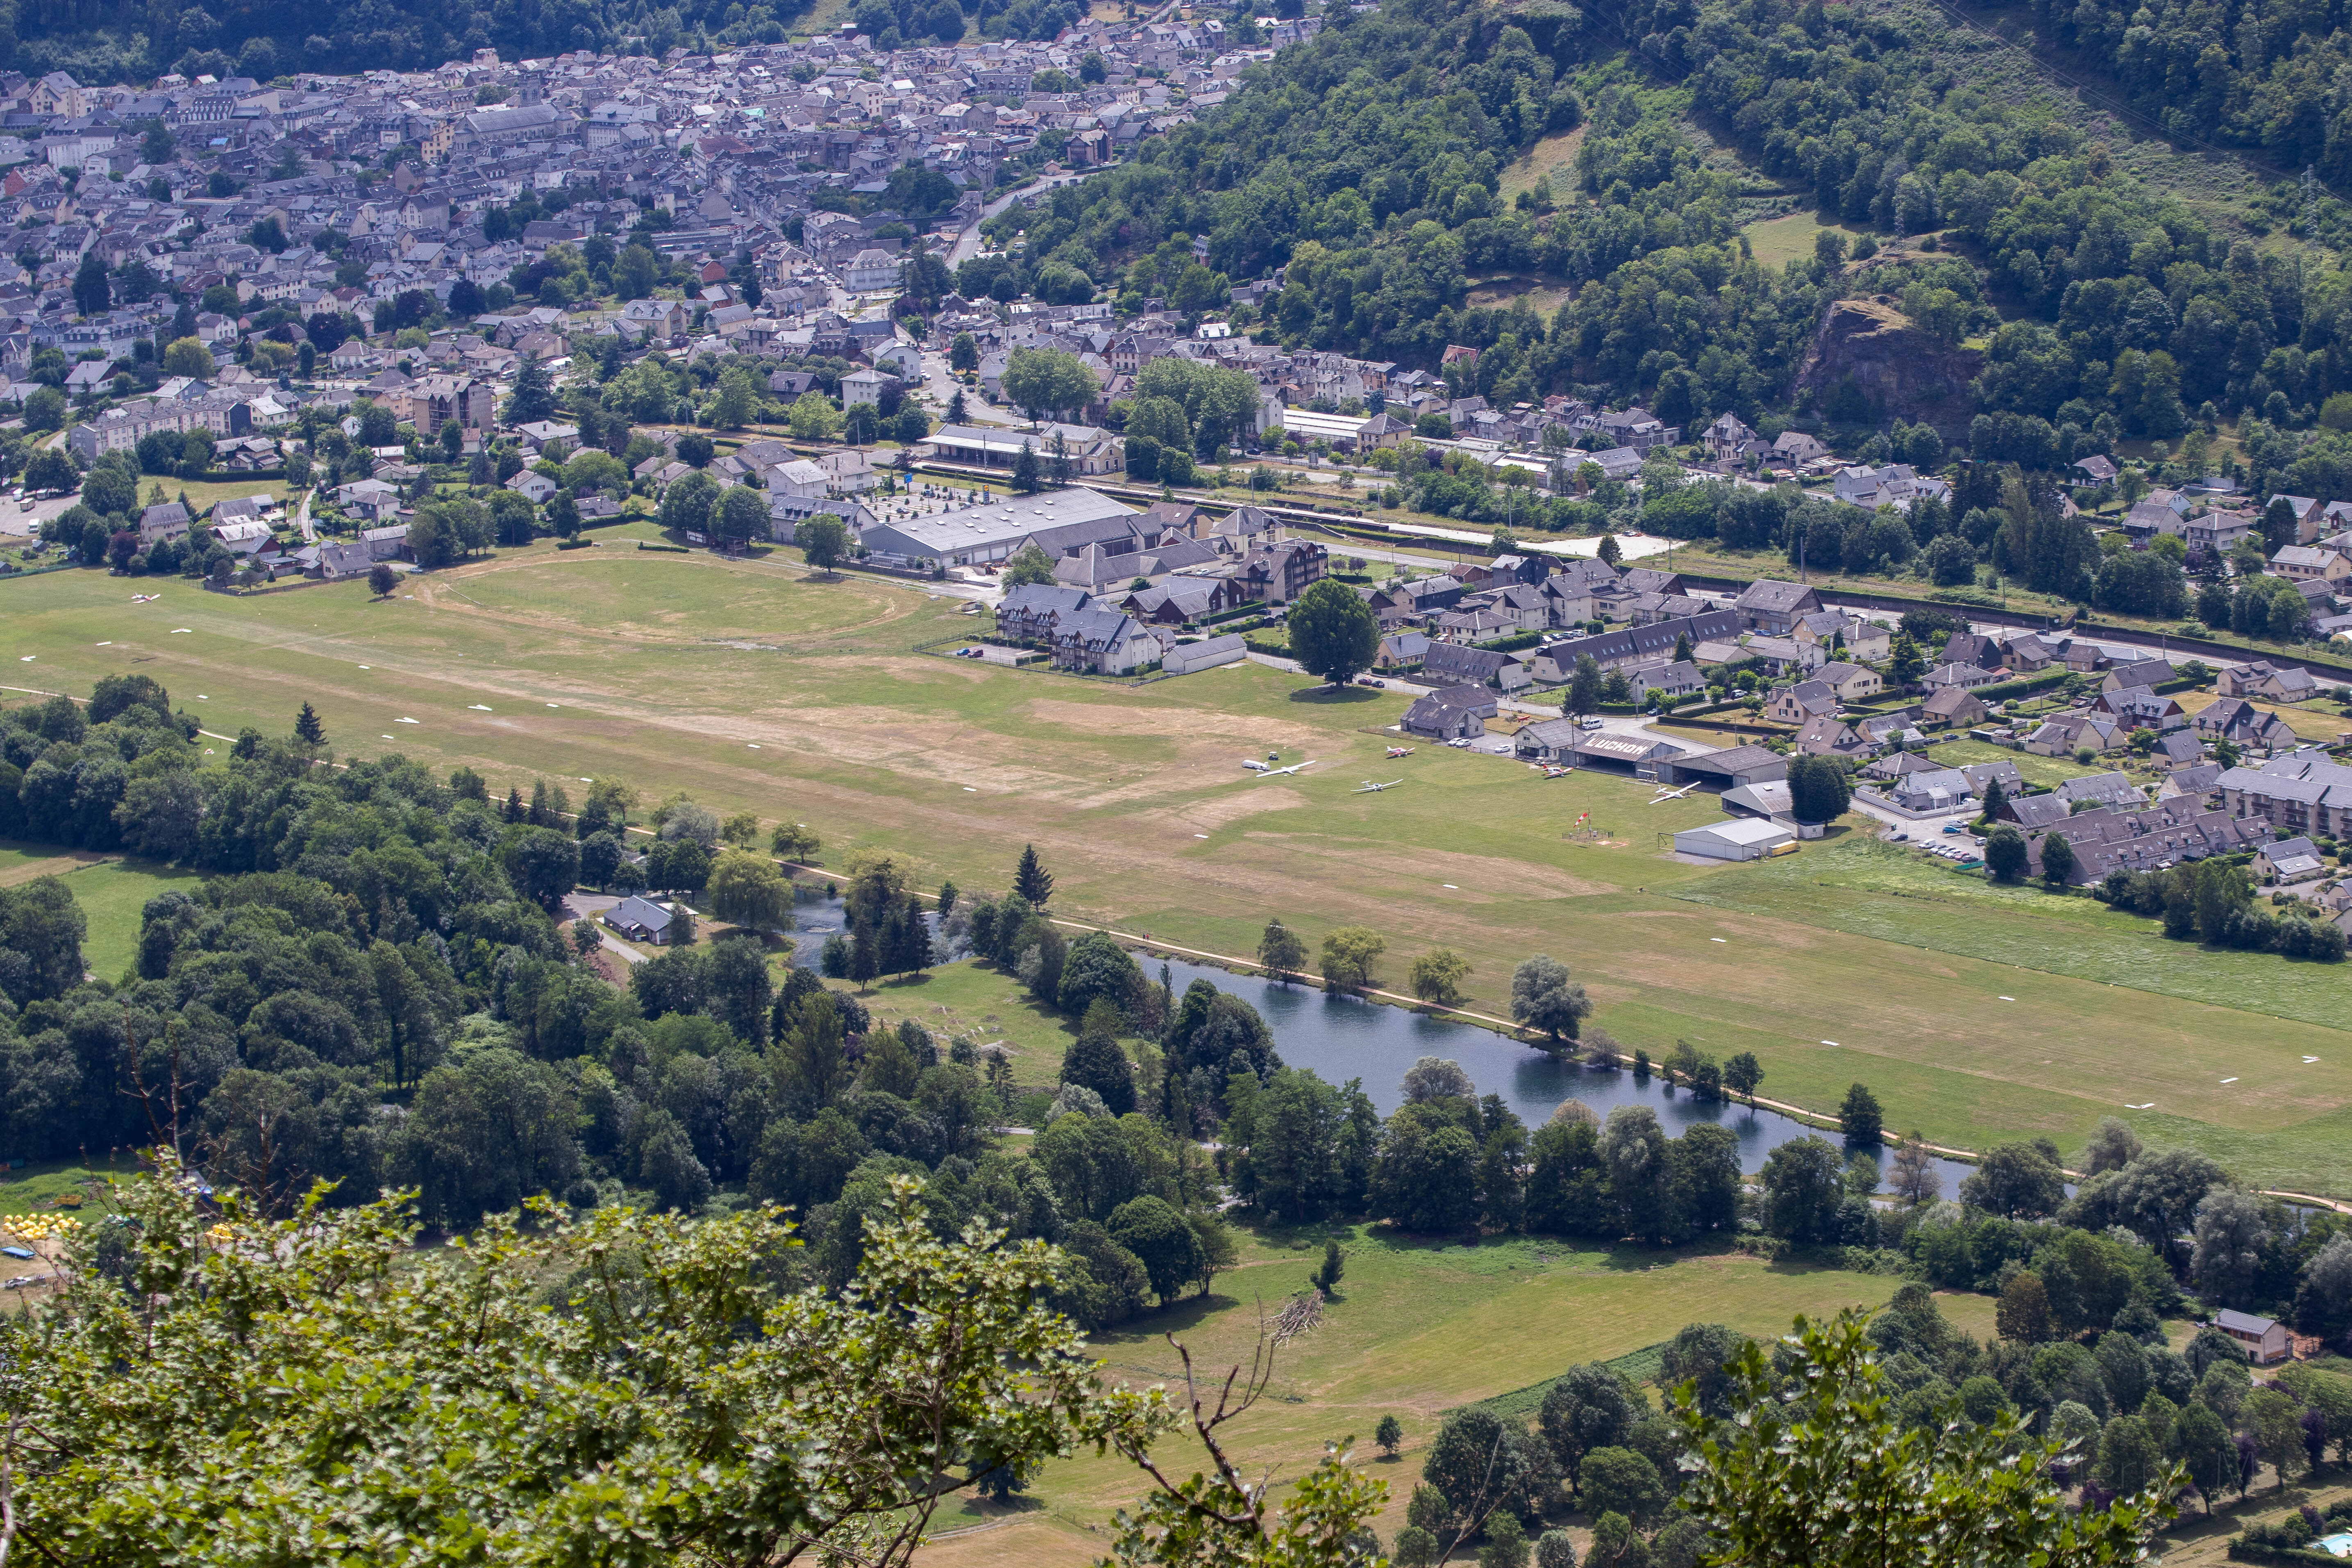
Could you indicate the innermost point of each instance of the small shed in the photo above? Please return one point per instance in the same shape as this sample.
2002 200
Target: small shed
1204 654
1735 838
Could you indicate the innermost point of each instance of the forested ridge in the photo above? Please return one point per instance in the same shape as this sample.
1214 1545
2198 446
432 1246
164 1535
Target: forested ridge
1368 161
116 40
2241 73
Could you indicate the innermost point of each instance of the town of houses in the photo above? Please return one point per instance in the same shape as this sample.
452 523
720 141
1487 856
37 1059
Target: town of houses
385 197
735 151
382 198
1138 588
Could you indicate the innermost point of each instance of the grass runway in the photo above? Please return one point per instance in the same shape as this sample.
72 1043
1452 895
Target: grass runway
750 686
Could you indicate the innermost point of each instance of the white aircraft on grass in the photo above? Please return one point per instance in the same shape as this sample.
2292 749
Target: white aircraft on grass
1665 794
1372 788
1277 773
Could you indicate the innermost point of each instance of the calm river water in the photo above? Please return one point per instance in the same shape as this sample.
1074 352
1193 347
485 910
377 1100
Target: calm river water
1342 1038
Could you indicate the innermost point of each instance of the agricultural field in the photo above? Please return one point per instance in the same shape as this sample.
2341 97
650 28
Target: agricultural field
751 685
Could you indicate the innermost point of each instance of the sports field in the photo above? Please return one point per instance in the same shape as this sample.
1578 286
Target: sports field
750 685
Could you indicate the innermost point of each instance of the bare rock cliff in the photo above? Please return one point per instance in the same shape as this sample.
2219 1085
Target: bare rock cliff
1905 373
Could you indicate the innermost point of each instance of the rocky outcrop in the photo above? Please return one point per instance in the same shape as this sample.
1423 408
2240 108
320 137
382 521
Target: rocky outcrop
1903 370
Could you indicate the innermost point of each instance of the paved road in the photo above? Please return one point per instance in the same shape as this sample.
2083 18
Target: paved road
940 386
27 524
967 244
587 906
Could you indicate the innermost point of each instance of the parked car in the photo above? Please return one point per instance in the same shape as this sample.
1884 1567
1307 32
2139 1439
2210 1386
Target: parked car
1590 721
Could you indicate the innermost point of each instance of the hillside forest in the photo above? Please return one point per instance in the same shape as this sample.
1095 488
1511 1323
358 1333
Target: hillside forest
1366 164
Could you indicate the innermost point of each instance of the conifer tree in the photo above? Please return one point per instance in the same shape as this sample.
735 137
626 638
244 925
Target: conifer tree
1032 881
918 939
307 727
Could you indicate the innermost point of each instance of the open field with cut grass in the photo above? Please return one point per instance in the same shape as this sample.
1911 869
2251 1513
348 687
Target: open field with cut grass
2322 721
1394 1340
113 896
752 687
2282 1115
36 1188
110 890
1552 158
989 1007
2047 772
1779 240
203 493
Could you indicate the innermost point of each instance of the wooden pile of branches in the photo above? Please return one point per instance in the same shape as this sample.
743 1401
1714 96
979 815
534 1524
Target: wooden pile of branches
1302 1313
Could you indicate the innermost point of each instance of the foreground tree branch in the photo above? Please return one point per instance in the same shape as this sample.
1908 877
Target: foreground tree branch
633 1389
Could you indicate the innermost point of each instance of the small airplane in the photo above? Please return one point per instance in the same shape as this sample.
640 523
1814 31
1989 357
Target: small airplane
1266 772
1253 766
145 599
1555 772
1400 751
1665 794
1372 788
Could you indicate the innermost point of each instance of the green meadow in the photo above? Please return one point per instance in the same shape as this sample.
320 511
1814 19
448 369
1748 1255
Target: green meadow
753 685
1392 1341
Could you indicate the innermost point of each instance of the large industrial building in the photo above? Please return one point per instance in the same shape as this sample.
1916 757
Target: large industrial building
991 532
